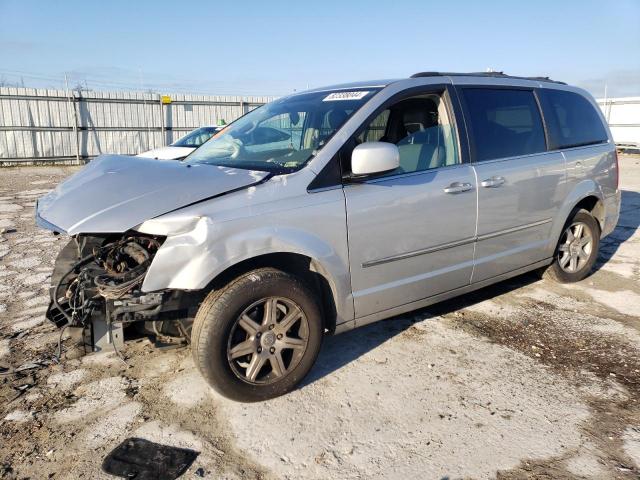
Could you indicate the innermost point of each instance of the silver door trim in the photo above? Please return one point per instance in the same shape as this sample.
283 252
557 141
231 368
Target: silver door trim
487 236
459 243
515 157
416 253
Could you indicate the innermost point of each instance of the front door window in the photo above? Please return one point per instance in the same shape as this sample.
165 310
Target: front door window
422 129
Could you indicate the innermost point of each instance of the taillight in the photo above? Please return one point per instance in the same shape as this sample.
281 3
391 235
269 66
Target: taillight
617 169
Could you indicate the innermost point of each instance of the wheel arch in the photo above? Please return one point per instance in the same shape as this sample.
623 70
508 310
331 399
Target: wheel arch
595 206
302 266
585 195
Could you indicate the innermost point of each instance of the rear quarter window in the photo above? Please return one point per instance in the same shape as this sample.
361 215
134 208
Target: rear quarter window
572 120
503 123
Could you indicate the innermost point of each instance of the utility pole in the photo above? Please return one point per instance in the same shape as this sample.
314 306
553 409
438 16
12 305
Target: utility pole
72 105
144 102
607 110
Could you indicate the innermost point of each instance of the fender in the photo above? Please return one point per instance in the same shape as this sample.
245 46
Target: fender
585 188
191 260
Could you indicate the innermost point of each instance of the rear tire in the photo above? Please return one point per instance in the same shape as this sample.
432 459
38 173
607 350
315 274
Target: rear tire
577 249
257 337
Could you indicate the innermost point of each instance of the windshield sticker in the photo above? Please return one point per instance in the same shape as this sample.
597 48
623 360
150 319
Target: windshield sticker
337 96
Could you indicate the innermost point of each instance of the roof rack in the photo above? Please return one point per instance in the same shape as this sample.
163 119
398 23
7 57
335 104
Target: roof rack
482 74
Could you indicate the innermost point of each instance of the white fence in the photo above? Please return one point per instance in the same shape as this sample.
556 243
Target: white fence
68 126
623 117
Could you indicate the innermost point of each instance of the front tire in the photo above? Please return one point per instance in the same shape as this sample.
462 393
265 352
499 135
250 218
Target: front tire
577 249
257 337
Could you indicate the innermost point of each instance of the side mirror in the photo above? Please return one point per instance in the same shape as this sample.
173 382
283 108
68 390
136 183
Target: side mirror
374 157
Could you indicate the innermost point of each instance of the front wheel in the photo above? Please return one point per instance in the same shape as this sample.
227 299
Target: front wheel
577 249
257 337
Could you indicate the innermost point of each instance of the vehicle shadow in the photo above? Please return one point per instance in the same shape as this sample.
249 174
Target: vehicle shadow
628 223
339 350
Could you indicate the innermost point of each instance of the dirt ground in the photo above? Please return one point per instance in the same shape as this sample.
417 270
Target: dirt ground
525 379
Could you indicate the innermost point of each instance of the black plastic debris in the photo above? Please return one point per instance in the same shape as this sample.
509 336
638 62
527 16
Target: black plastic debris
144 460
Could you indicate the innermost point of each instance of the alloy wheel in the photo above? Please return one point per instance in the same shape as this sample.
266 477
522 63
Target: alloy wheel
576 246
267 340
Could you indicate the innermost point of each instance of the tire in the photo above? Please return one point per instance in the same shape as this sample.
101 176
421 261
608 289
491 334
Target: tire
235 349
564 268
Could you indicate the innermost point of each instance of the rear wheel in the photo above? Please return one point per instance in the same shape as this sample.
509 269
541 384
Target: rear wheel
577 249
257 337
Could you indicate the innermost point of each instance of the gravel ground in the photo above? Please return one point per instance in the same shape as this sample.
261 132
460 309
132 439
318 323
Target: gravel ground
525 379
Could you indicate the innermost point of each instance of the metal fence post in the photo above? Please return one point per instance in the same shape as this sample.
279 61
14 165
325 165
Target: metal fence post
76 106
72 104
162 133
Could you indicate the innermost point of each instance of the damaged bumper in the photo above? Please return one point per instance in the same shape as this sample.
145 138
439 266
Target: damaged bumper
96 288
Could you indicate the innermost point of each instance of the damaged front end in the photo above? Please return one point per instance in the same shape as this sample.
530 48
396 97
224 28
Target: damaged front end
96 292
97 282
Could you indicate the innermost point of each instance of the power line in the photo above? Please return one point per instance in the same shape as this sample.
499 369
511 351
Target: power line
59 79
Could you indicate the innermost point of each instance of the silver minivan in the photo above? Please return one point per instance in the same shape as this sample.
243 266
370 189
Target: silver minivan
330 209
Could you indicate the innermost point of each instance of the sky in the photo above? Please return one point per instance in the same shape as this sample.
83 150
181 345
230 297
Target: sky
275 47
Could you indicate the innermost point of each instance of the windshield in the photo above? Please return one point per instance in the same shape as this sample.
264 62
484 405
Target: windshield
283 135
196 138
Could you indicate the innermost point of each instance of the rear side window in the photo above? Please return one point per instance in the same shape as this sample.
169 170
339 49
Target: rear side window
503 123
572 120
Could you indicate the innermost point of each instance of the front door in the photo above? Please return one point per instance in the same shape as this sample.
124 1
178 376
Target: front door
411 231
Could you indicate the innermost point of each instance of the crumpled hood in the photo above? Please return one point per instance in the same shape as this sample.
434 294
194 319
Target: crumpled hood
114 193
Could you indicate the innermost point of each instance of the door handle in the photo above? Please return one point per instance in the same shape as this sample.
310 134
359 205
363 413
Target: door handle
492 182
457 187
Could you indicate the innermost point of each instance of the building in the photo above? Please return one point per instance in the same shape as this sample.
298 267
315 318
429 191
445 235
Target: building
623 117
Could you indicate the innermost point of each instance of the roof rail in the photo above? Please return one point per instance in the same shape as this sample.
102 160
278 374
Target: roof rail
482 74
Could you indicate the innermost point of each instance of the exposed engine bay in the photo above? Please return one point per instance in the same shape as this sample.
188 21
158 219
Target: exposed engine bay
96 290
